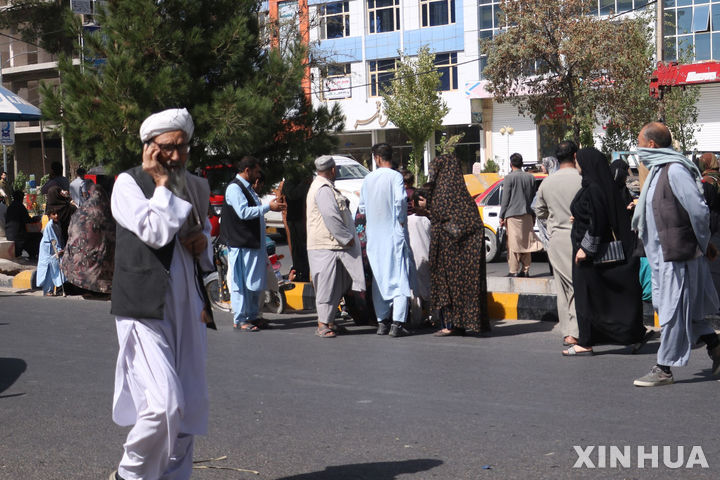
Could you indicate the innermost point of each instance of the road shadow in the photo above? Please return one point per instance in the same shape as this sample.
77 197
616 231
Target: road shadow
704 376
10 371
369 471
507 328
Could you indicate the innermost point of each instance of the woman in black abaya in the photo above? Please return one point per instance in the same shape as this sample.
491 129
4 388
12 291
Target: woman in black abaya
608 297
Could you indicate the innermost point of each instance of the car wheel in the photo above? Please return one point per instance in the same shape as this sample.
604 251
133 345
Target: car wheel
491 248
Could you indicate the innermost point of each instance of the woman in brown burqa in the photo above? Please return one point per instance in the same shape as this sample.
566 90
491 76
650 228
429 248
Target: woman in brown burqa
457 253
89 258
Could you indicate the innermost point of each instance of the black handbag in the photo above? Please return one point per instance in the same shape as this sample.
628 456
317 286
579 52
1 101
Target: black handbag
501 237
610 253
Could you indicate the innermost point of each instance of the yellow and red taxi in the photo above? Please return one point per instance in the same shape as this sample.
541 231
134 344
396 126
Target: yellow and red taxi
488 203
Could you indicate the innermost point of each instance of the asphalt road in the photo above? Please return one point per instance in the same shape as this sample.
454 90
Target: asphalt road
293 406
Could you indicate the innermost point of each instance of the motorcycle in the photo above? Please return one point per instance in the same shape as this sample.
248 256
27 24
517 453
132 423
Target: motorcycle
218 287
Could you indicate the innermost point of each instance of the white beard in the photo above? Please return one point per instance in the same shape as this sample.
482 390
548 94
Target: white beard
177 183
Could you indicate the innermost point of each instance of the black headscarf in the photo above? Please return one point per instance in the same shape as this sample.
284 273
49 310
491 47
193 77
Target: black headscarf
619 172
55 201
600 188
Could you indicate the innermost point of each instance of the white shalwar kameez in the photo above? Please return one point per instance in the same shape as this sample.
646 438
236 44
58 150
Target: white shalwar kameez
383 200
160 383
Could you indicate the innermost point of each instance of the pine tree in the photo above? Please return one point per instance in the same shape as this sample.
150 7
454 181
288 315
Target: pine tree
204 55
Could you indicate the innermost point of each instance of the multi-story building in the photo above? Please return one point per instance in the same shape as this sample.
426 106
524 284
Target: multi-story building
360 41
23 67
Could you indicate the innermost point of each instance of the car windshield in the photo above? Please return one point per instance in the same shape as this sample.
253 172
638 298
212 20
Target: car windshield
218 178
353 171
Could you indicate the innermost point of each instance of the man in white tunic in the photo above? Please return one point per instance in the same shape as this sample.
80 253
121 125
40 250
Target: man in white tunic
161 316
672 220
554 197
333 247
383 200
242 229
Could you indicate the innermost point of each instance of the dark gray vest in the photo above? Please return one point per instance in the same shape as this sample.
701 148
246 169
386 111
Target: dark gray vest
235 232
675 231
142 273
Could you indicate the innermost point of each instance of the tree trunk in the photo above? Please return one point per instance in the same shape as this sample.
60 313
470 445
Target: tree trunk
417 158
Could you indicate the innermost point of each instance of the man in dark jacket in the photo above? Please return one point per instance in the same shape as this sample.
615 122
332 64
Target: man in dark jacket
517 215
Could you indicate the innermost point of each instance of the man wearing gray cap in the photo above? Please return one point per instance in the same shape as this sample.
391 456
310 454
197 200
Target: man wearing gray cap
161 316
333 247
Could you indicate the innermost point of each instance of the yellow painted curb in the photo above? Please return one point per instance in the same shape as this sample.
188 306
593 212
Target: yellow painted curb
657 320
23 280
503 305
300 296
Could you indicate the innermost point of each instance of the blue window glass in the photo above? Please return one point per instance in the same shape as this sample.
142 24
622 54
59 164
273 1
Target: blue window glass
716 46
624 6
483 63
683 3
334 8
702 46
384 15
486 17
685 48
485 34
446 64
498 16
701 18
716 16
606 6
381 74
669 23
438 13
684 20
668 3
452 11
669 49
640 3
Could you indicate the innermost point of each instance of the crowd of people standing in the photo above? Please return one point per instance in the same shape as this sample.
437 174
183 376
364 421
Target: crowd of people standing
162 311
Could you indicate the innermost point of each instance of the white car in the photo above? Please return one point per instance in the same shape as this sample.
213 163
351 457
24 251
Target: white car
488 203
350 175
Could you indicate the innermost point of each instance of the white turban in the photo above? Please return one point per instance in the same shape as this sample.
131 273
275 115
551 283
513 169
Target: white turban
167 121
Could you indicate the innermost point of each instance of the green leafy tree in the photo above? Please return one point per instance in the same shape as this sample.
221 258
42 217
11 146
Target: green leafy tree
414 104
561 64
205 55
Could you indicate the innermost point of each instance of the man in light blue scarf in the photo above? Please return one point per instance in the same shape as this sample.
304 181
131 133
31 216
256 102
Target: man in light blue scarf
672 220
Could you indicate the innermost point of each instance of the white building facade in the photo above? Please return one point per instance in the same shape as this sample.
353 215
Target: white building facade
361 40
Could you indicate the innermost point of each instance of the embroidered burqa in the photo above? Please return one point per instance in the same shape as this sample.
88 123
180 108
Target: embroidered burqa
89 257
457 250
608 298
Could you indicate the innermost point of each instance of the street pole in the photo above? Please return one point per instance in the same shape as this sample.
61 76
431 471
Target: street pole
659 31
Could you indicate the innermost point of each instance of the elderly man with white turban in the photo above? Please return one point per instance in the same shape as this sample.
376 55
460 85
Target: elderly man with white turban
159 303
333 247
